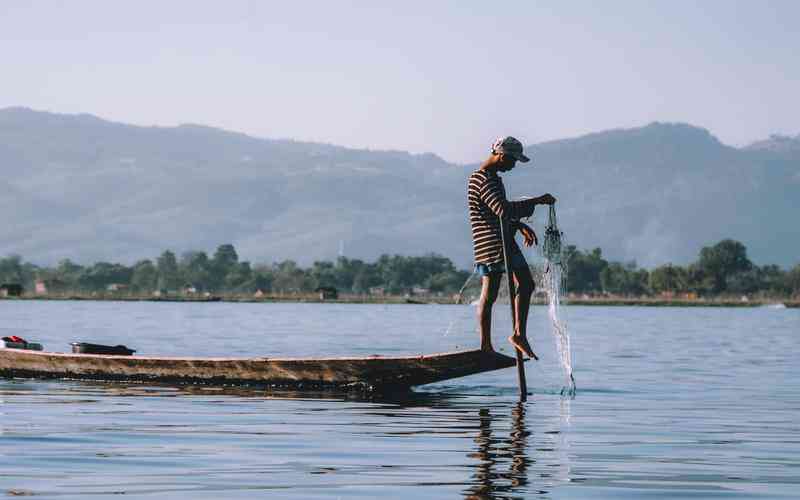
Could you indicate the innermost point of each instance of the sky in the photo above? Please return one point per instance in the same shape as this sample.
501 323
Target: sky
437 76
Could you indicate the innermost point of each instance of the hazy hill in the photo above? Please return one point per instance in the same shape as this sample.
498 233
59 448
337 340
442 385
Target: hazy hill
660 192
80 187
780 144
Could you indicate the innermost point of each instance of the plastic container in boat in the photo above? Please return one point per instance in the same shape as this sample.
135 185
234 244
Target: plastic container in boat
114 350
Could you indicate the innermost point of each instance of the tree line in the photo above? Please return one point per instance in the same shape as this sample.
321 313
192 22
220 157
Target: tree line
721 269
223 272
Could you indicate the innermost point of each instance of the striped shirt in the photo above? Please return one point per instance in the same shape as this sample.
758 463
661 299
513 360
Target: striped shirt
486 197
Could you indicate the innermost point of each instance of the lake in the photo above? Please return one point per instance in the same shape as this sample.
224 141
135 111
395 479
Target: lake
670 403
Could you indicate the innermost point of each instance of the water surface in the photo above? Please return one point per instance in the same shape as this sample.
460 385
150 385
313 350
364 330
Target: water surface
671 403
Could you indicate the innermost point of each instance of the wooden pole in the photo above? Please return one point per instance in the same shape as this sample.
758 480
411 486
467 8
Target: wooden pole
507 236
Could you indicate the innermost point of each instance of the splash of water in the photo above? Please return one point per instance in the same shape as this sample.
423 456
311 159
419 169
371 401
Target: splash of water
553 279
460 299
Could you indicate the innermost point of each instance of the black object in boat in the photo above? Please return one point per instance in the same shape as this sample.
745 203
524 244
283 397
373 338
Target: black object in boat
86 348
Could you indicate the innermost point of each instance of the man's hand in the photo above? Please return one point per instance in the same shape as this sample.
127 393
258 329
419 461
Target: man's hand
528 234
545 199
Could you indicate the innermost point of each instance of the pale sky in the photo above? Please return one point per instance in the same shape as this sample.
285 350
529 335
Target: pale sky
443 77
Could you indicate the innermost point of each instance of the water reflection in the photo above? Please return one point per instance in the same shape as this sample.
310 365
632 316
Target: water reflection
495 451
486 448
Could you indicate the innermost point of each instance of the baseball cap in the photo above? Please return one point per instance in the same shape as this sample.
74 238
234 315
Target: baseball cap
510 146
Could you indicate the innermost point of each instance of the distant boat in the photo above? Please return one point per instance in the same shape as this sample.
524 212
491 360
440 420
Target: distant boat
377 372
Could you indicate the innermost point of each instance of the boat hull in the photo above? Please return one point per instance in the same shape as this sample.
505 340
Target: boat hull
368 372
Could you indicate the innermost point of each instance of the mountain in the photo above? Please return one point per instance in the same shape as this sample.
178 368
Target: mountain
659 193
81 187
782 145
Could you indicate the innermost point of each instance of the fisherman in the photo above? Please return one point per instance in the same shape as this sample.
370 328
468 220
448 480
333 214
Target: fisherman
487 202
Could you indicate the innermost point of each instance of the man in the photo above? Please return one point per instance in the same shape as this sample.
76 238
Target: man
487 202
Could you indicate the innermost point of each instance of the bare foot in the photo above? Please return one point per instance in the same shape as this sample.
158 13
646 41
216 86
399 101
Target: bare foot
524 347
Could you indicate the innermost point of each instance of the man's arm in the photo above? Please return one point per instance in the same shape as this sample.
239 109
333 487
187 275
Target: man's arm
494 198
497 203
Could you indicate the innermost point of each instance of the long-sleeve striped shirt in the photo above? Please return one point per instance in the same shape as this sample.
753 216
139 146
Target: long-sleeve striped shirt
486 197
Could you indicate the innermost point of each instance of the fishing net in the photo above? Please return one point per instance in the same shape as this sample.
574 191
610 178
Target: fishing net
551 248
552 281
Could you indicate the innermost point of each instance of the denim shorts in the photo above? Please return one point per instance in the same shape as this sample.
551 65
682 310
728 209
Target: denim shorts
517 262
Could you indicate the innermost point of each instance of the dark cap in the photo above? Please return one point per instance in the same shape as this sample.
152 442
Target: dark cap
509 146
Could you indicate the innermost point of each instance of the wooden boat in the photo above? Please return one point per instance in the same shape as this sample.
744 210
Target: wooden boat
373 372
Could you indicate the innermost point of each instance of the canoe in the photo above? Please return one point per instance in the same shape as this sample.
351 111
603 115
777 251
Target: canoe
373 372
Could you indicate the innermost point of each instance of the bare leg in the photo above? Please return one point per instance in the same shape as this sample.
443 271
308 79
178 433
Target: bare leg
522 304
489 288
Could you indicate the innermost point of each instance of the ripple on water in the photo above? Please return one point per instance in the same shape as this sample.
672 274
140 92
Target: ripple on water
670 404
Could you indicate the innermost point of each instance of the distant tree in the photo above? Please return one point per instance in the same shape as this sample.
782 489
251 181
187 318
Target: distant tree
102 274
639 282
145 276
669 278
68 273
29 274
366 276
624 279
726 258
613 278
195 269
583 269
696 280
239 276
346 271
745 282
766 280
263 276
394 273
288 277
224 261
399 273
168 275
792 281
11 269
773 280
449 281
323 273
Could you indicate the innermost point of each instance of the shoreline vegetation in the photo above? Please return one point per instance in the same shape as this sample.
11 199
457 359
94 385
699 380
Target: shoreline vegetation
723 275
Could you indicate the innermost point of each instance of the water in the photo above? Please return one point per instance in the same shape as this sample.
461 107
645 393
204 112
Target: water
671 403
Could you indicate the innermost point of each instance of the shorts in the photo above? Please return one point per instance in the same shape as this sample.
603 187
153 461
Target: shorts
517 262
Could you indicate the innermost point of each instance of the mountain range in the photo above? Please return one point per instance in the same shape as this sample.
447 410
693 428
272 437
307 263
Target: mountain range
80 187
